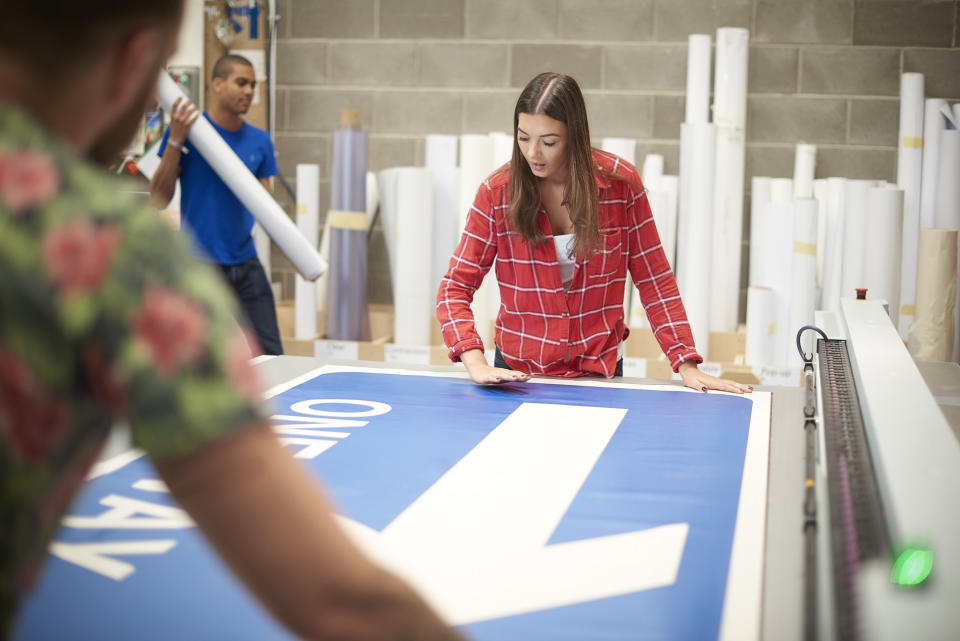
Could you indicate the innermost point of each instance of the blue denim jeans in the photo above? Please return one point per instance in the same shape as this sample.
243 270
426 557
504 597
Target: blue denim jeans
250 284
499 362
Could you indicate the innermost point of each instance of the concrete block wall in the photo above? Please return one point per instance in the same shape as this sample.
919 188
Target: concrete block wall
821 71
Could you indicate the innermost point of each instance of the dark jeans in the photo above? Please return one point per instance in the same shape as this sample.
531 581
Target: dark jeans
250 284
499 362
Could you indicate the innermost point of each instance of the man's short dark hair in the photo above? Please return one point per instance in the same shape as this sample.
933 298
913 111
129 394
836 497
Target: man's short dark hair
226 63
57 37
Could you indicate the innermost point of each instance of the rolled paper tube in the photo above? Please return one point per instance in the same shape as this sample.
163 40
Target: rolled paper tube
387 183
441 151
501 148
347 287
246 187
727 229
652 171
804 165
855 222
667 222
947 201
881 260
730 116
445 183
781 190
933 124
778 272
414 296
932 332
909 168
803 277
695 224
761 325
698 78
833 244
759 196
820 195
626 148
305 292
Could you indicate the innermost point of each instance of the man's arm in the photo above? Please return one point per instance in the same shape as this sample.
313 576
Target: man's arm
164 181
270 523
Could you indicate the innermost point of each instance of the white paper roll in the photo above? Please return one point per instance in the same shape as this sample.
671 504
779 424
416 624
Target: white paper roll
373 197
501 148
626 148
246 187
803 277
761 325
804 166
730 117
667 223
947 199
854 236
308 221
441 151
445 184
956 113
777 272
652 171
387 181
933 124
820 195
476 164
833 244
694 226
909 166
759 196
881 260
932 332
781 190
414 295
698 78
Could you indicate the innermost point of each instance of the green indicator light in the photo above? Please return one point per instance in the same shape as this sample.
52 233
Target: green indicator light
912 567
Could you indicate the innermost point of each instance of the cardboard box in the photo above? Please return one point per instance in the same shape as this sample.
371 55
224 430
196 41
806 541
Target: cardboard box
727 347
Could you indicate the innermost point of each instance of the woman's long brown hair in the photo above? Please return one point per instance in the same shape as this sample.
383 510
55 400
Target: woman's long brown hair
559 97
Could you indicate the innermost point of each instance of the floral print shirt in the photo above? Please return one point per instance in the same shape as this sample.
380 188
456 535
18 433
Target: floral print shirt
105 316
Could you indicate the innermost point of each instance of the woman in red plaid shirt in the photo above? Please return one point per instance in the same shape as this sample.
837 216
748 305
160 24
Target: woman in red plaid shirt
566 224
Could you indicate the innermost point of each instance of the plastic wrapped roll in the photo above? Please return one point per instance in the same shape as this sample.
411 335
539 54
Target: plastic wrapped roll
308 214
694 226
347 285
761 326
414 295
804 165
932 332
833 244
909 166
246 187
933 124
652 171
759 196
626 148
881 260
698 78
803 277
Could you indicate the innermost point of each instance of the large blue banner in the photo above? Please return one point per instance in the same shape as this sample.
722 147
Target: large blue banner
542 482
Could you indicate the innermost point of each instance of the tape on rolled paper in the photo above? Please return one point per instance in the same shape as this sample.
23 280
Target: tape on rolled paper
347 220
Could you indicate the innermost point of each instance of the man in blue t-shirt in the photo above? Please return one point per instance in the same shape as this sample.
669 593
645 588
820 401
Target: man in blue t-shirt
218 222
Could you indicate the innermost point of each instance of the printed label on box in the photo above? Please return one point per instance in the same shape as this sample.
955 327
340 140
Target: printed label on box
347 350
413 354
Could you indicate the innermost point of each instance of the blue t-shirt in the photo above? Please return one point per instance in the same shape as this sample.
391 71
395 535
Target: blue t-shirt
218 221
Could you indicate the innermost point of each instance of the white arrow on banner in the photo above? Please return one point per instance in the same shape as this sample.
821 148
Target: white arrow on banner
475 543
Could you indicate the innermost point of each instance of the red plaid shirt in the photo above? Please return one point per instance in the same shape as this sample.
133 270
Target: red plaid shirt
542 330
